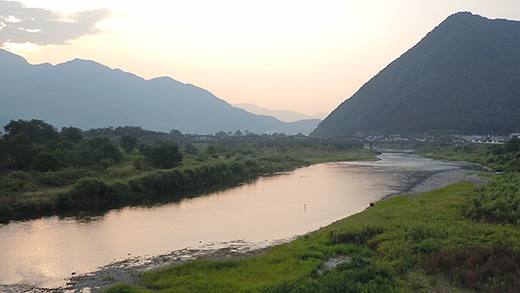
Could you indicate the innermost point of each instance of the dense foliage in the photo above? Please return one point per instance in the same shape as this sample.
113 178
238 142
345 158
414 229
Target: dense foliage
36 145
462 78
497 202
134 131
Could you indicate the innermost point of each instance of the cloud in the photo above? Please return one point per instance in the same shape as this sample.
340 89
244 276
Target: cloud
20 24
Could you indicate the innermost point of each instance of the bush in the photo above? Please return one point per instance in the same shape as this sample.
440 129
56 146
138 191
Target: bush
138 164
122 288
106 163
6 213
128 143
498 201
191 149
46 161
119 191
166 156
89 186
16 181
495 269
360 237
86 191
62 177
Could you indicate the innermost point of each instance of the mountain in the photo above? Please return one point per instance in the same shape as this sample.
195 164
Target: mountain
282 115
86 94
462 77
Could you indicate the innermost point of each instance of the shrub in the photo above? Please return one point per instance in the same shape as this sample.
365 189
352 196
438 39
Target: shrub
191 149
498 201
122 288
128 143
16 181
166 156
495 269
119 191
106 163
138 164
359 275
46 161
6 213
360 236
62 177
86 191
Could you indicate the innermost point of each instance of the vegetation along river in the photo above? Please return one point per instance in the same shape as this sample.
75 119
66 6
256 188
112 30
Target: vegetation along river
45 252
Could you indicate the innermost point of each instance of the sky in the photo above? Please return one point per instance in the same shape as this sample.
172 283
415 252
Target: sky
304 56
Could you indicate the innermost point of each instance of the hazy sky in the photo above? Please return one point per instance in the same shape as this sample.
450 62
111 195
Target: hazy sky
305 56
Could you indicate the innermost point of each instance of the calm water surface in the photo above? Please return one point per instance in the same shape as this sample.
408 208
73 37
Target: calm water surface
45 251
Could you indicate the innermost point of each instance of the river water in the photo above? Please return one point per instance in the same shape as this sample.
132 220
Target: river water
44 252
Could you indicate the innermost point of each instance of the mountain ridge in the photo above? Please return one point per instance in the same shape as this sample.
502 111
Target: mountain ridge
282 115
87 94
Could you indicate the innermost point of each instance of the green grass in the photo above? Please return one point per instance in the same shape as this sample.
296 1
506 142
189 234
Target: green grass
389 246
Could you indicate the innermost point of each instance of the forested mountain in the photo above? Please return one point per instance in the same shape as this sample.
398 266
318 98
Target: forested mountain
462 77
88 95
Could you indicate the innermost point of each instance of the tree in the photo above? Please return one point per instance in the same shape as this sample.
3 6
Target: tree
176 135
37 131
21 151
3 152
102 148
512 145
191 149
221 134
145 149
128 143
166 156
72 133
46 161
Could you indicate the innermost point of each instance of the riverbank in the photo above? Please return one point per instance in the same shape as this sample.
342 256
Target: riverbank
129 271
39 194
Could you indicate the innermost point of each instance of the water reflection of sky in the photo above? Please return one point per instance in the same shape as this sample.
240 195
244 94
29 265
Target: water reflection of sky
45 251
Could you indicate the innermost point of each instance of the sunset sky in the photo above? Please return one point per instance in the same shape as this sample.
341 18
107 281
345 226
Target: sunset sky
305 56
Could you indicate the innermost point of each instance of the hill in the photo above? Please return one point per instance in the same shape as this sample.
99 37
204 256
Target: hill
282 115
462 77
87 94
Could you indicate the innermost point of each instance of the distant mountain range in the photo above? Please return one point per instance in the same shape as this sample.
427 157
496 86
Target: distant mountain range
282 115
86 94
463 77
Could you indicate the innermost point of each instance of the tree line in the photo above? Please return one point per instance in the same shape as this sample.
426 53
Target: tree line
37 145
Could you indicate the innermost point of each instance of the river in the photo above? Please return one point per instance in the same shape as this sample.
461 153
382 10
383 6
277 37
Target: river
44 252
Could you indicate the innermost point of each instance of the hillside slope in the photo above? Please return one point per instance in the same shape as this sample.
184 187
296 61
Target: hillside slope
462 77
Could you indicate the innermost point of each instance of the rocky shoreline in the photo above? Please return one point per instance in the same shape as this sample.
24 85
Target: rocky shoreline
130 270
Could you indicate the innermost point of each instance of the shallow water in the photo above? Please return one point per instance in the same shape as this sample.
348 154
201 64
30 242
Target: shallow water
44 252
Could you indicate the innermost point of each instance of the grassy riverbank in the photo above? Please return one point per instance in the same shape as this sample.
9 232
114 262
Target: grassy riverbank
432 241
134 180
499 157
